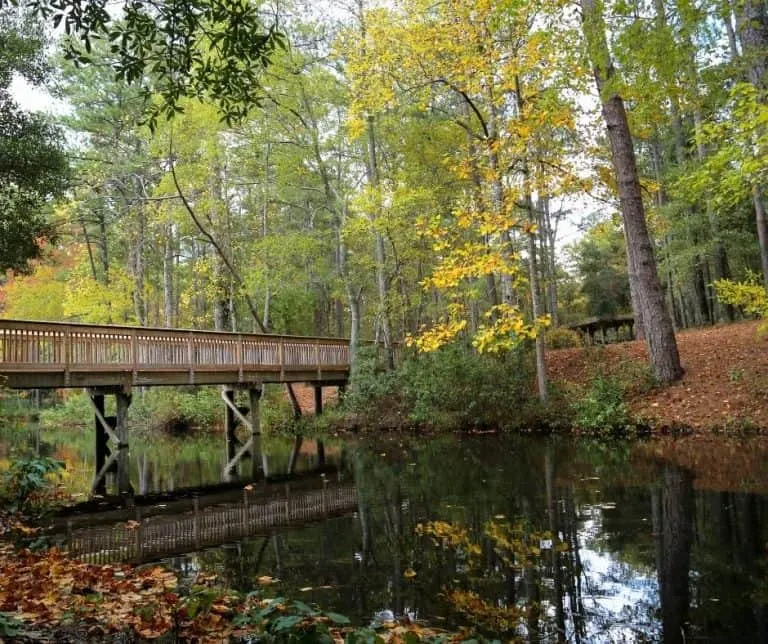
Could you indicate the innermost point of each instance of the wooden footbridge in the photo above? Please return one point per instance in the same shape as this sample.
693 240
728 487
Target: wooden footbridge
258 511
111 360
35 355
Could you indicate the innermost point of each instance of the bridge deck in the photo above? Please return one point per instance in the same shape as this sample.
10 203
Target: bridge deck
54 355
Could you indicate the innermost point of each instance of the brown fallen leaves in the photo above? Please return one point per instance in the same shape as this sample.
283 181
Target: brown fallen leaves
725 383
51 590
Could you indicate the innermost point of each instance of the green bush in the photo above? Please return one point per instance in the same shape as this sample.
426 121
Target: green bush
178 411
74 411
636 377
602 408
9 625
26 480
455 383
370 382
170 410
453 387
276 412
563 338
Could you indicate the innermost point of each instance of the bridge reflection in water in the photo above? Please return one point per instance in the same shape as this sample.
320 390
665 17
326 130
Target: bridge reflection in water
136 537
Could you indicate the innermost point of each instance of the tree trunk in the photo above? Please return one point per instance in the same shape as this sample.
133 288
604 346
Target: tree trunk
752 27
723 312
673 523
168 299
634 297
726 14
549 237
139 304
382 285
701 308
497 205
221 297
660 336
762 232
104 249
478 203
541 364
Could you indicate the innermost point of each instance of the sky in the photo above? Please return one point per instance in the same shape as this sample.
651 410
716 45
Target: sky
31 99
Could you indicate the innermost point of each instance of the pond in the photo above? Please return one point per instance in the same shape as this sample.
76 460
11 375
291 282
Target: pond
545 539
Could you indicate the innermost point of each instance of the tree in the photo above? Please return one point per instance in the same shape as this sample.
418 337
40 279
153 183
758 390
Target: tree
480 67
601 261
212 50
33 168
647 295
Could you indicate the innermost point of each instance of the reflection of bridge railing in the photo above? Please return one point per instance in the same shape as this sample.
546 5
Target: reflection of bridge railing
54 354
164 536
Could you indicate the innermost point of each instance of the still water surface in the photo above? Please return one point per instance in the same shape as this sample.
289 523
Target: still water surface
551 540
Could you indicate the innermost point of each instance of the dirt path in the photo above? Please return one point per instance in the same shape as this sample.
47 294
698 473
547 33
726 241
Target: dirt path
725 383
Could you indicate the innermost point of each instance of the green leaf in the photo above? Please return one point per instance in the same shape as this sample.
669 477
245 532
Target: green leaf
338 619
285 623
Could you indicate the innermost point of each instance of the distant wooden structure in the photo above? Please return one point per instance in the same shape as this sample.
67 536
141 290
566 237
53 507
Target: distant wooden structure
590 327
111 360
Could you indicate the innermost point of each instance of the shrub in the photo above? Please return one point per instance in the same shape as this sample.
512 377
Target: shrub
26 480
636 377
177 411
276 411
171 410
602 408
563 338
74 411
453 387
750 295
370 382
9 625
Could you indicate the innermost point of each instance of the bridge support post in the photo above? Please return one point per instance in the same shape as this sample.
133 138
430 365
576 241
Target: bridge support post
102 442
123 478
318 411
297 442
254 397
318 399
235 415
114 428
230 422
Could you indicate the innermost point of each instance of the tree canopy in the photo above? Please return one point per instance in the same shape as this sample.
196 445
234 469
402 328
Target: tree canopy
33 168
405 171
213 50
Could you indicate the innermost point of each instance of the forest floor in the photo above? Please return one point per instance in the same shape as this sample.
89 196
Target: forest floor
725 385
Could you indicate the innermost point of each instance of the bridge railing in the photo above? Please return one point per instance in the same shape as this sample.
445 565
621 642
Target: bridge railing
62 346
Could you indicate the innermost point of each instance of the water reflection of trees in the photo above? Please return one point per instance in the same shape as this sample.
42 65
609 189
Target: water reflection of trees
643 555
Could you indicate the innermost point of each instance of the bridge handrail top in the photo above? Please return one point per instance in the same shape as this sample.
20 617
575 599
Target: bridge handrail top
6 323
